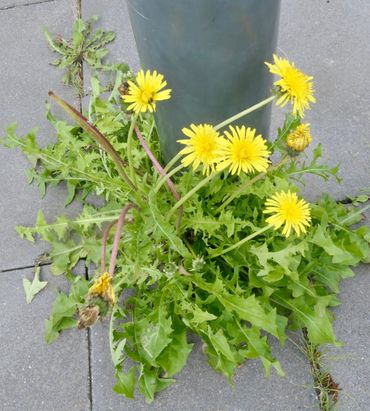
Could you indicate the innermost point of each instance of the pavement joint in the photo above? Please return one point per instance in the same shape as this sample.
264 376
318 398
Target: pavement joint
8 270
89 357
26 4
89 353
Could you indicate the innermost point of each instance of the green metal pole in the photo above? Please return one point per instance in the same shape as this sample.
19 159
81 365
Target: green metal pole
212 53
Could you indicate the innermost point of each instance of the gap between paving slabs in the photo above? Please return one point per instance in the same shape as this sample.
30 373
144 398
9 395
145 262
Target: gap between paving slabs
11 4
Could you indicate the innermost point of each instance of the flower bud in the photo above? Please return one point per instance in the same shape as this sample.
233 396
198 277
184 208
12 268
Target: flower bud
198 264
300 138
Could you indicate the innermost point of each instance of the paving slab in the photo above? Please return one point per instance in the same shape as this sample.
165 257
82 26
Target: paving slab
26 77
198 387
329 40
113 15
350 365
35 376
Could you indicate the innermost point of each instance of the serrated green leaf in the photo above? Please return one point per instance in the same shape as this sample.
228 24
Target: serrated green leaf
220 344
167 229
258 347
251 310
150 383
157 335
62 317
324 240
173 358
125 383
315 319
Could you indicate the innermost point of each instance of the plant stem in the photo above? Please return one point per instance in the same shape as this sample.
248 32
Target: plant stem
104 246
169 175
84 123
244 112
117 236
244 240
172 162
191 192
129 148
163 173
244 186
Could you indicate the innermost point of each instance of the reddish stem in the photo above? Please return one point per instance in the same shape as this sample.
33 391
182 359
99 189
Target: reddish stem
163 173
104 247
117 236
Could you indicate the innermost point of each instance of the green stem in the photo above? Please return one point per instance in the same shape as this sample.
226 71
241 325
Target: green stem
245 112
168 176
283 134
172 162
191 192
244 240
129 148
244 186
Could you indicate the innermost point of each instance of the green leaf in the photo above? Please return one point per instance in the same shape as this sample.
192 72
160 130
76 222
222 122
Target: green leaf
117 356
221 344
157 335
62 317
71 188
324 240
167 229
287 257
173 358
258 347
251 310
150 383
315 319
200 316
125 383
34 287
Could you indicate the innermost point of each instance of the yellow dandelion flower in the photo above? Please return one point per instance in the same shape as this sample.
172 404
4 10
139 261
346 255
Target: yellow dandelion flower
102 287
300 138
288 210
242 150
146 92
202 147
294 85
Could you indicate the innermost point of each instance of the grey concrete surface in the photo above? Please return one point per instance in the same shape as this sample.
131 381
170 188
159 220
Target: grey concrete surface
350 364
198 387
26 77
330 40
113 15
35 376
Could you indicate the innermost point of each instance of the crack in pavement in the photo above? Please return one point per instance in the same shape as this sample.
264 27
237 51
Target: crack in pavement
25 267
25 4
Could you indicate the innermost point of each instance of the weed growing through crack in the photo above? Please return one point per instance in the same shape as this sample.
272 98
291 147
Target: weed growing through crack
327 389
85 46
